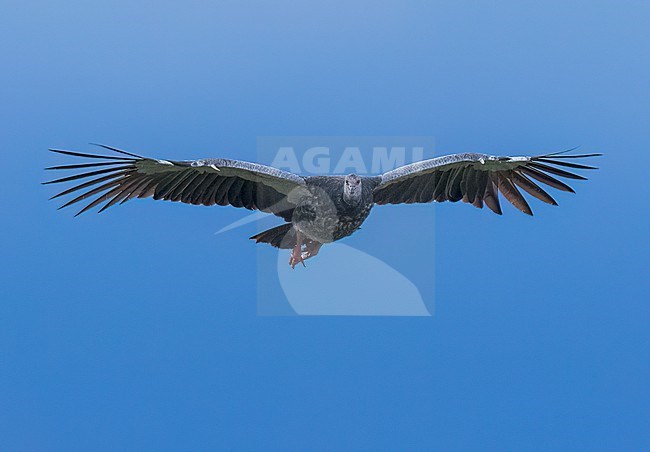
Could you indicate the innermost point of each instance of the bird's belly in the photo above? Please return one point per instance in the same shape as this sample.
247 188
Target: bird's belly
327 225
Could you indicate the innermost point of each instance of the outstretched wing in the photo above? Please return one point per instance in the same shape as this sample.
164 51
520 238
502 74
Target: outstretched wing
118 178
478 179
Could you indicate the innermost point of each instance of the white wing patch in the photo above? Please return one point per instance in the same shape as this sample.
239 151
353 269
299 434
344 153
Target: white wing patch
492 163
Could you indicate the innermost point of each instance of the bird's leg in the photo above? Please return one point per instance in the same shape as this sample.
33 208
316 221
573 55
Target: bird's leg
296 253
311 249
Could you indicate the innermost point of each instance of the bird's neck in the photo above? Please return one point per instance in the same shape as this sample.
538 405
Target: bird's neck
352 199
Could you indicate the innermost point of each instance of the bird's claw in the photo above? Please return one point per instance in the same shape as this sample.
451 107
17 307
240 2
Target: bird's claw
295 261
298 256
310 248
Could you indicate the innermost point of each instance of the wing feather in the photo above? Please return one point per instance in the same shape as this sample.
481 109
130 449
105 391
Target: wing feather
105 197
150 189
513 195
141 188
181 189
188 193
92 192
90 183
454 192
441 187
481 182
477 179
472 185
546 179
170 183
117 179
221 197
426 194
201 190
531 188
412 188
247 194
125 190
556 171
566 164
491 196
233 192
213 191
88 174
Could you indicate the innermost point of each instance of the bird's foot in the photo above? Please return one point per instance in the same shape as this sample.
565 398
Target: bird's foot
311 249
297 256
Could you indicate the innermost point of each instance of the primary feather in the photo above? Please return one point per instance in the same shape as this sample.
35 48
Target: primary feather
477 179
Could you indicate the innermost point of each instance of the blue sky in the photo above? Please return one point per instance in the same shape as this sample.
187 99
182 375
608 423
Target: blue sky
139 327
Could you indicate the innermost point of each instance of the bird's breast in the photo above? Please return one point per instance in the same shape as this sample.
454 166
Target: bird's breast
325 221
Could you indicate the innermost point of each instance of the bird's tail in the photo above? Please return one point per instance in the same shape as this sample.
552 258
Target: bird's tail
283 236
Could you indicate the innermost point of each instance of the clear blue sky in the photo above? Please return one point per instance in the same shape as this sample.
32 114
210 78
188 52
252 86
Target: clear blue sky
138 327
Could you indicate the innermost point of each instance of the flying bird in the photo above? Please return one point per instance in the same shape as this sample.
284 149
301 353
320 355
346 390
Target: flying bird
316 209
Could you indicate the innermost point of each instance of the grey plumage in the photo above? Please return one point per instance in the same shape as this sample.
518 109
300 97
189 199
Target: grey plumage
325 215
318 209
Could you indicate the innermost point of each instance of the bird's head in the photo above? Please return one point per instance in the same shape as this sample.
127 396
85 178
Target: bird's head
352 189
